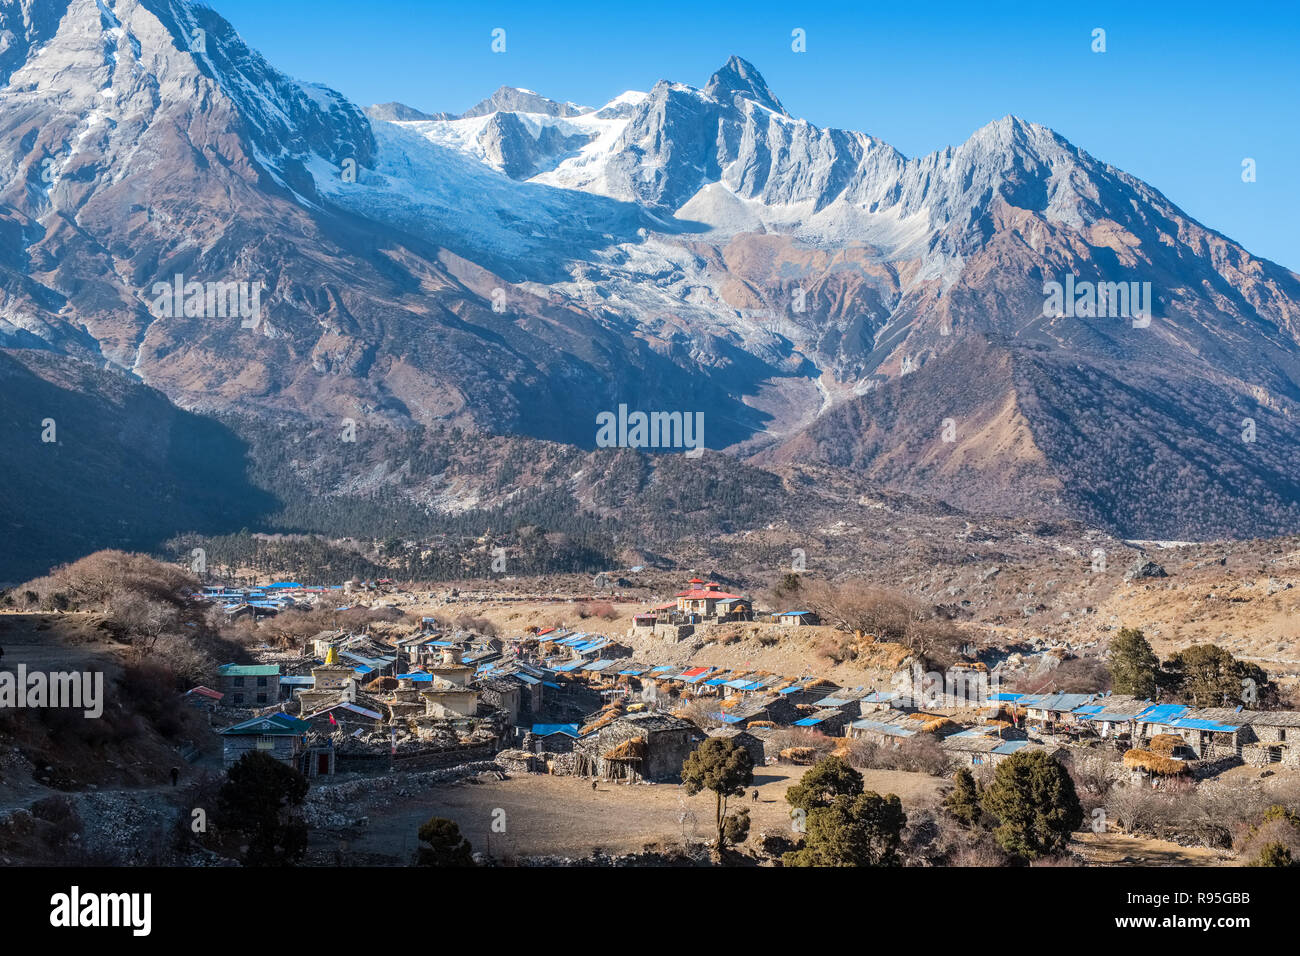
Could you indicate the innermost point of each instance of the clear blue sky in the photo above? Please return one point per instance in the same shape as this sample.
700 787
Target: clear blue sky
1182 94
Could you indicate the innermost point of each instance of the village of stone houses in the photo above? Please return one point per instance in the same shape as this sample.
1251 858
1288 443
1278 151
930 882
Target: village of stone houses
639 717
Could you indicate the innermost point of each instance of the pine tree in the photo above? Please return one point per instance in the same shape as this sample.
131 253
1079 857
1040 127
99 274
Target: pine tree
1133 665
963 801
1034 801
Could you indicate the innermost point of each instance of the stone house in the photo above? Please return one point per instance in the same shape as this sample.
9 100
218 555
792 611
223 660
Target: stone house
1276 736
347 717
331 682
777 709
446 699
701 603
882 728
250 685
1258 737
503 693
753 745
1114 716
829 721
445 687
202 698
976 749
704 602
1053 713
551 738
277 735
797 618
647 746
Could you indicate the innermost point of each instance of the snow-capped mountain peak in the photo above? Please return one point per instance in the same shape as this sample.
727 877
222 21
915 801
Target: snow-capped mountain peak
530 262
739 78
511 99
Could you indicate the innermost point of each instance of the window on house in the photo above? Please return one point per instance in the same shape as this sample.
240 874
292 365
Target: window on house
1281 735
265 743
239 682
261 698
261 682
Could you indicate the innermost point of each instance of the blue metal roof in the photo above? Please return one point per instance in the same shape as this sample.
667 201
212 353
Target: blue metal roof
1162 713
545 730
1058 702
1199 723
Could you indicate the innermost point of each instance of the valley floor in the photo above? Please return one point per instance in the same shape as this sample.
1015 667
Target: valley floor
563 816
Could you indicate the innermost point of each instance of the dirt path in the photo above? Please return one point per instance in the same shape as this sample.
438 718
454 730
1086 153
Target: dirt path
1118 849
54 642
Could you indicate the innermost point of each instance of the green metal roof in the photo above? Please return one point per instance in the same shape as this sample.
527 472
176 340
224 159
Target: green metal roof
249 670
272 725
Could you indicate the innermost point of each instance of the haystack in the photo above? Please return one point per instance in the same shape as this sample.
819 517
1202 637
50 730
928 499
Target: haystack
932 723
634 748
1165 743
1157 764
607 716
799 755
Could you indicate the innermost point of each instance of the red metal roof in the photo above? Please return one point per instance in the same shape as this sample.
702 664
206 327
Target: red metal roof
699 594
205 692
